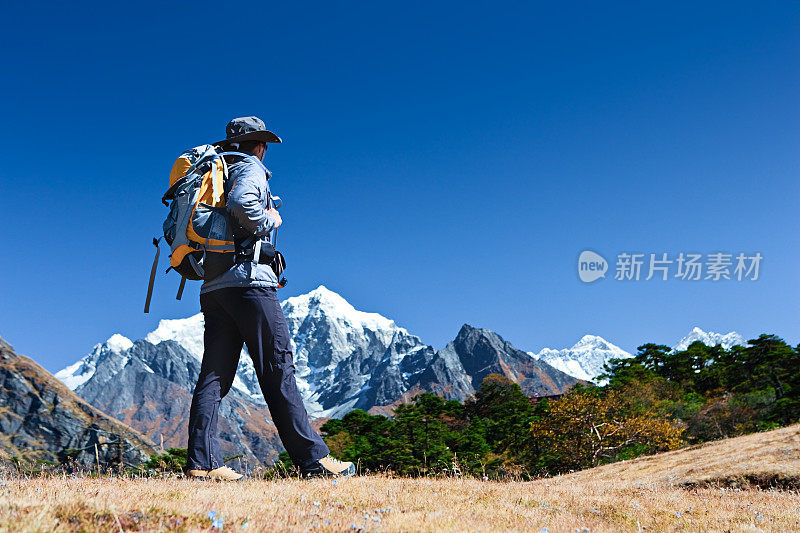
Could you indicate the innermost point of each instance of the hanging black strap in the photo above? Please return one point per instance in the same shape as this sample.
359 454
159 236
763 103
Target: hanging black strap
152 276
180 288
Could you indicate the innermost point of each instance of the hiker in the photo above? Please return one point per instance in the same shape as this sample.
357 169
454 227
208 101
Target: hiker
241 306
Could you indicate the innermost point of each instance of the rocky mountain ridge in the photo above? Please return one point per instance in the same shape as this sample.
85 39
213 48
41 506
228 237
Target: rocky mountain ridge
344 359
42 419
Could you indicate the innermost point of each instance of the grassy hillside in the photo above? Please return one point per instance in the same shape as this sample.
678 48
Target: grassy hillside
766 460
704 488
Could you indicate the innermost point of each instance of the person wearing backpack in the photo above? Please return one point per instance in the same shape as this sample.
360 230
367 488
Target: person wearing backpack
240 306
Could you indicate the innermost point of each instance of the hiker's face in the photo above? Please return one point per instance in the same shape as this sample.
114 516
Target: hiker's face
260 151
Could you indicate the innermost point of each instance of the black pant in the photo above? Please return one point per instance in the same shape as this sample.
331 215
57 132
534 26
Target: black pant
252 316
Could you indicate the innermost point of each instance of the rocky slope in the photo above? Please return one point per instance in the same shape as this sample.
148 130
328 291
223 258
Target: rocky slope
482 352
347 358
41 418
149 386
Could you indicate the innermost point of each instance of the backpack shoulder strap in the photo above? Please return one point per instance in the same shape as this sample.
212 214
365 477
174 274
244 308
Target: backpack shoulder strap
243 156
152 277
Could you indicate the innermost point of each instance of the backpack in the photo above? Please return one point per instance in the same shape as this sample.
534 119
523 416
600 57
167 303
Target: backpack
197 223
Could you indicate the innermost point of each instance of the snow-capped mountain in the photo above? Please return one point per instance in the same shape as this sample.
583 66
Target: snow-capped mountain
344 359
188 332
585 360
482 352
337 350
82 370
709 338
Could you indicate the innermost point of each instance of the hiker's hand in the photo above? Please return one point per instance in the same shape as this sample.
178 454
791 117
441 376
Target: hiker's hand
275 216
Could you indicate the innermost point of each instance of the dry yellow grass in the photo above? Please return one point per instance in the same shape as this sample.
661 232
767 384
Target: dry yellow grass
667 492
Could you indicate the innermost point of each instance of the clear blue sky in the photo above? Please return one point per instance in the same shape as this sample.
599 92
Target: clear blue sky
442 163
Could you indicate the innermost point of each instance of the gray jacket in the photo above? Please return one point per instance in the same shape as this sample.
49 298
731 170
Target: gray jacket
247 192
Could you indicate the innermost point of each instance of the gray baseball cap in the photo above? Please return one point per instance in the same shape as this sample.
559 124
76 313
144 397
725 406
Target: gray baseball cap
248 129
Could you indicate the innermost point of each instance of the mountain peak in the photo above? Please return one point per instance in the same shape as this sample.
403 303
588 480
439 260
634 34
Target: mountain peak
324 294
590 340
481 352
466 329
321 295
586 359
324 301
469 336
5 345
324 291
186 331
710 338
119 343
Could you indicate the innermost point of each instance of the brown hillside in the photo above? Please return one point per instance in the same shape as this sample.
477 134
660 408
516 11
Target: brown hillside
666 492
768 459
40 418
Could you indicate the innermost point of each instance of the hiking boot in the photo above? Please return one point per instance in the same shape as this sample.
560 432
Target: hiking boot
222 473
328 466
